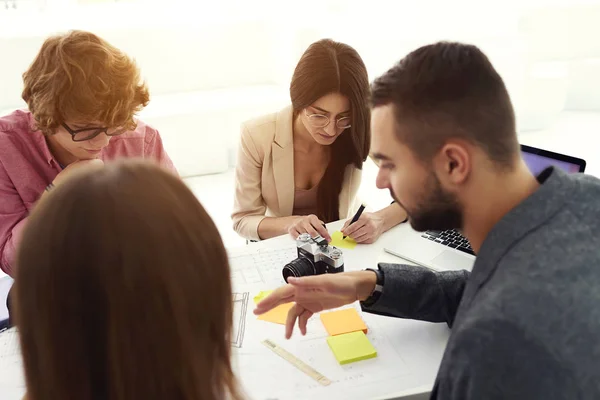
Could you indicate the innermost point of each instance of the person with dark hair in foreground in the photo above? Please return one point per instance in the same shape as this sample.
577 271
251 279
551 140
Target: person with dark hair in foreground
525 322
123 291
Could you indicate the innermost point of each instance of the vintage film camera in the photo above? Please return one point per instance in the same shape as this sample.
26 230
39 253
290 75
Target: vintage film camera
315 257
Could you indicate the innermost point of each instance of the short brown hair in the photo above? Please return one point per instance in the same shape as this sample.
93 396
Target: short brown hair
79 76
450 90
333 67
123 291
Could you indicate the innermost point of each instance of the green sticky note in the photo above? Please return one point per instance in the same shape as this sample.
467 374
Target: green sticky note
351 347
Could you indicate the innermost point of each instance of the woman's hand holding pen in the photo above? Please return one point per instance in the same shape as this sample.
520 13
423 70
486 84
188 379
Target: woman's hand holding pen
310 224
367 229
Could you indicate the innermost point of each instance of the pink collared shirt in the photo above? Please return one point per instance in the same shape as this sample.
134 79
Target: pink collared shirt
27 167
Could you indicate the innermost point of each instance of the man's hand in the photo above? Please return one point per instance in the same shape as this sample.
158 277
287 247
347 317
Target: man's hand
77 165
313 294
310 224
366 230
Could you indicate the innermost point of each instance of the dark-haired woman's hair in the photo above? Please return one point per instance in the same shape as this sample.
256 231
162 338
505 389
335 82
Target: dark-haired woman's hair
123 291
332 67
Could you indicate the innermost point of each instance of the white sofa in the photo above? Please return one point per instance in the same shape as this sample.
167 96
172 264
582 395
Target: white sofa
204 80
207 75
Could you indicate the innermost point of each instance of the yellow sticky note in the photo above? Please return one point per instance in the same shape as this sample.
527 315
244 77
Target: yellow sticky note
351 347
278 315
337 241
343 321
261 295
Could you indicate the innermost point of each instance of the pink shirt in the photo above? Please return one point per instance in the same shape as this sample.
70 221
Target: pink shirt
27 167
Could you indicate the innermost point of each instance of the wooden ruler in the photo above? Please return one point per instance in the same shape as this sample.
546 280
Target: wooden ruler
296 362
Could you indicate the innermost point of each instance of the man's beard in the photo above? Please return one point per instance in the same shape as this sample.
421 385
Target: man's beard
437 210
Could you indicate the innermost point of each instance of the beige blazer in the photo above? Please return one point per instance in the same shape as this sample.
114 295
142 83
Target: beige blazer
264 175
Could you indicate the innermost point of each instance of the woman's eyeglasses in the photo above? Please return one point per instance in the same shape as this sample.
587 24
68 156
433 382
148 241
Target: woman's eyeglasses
321 121
81 135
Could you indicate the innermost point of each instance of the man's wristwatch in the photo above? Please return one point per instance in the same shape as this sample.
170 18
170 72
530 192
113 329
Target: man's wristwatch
376 293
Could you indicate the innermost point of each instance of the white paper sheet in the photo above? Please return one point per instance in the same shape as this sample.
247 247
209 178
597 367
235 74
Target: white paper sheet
265 375
12 382
256 365
260 266
240 308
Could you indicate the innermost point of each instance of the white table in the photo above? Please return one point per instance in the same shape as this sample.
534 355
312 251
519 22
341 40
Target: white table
419 344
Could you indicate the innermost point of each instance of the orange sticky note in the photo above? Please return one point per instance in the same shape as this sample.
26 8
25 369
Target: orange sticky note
343 321
278 315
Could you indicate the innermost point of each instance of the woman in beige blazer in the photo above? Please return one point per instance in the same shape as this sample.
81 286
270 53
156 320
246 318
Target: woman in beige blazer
300 167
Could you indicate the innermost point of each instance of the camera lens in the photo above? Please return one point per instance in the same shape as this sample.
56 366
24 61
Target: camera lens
301 266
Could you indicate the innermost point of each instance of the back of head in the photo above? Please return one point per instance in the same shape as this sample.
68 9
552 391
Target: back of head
450 90
333 67
123 291
79 76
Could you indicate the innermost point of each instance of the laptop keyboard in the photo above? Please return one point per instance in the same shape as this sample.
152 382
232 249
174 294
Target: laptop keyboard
451 238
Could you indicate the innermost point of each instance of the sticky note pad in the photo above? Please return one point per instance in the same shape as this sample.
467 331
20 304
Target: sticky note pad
343 321
261 295
351 347
278 315
337 241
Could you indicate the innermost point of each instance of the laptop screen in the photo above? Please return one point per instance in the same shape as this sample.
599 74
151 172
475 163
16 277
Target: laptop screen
538 160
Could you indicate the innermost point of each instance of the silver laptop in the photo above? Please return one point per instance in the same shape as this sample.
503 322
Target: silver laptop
449 250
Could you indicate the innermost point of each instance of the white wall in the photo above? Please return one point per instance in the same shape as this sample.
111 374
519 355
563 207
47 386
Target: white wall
210 65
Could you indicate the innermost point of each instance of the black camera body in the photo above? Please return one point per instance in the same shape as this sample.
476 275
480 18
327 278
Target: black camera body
315 257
